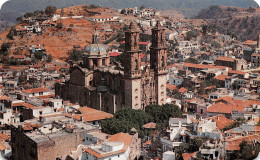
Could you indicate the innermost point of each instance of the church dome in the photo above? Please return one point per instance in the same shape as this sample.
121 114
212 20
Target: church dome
96 49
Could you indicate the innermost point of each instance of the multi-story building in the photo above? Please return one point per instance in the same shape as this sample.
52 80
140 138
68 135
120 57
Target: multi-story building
109 88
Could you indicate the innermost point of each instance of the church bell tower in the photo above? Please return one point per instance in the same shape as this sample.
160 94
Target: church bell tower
132 68
158 61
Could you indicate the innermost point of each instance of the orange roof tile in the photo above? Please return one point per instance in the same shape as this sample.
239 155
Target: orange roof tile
2 147
4 136
125 138
221 121
233 143
236 72
4 97
188 156
225 59
148 143
150 125
183 90
121 137
221 77
171 87
35 90
224 108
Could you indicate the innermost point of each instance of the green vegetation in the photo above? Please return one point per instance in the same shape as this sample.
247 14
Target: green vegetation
142 7
126 119
237 123
192 60
38 55
161 114
249 151
59 25
191 34
12 32
50 10
49 58
76 55
191 147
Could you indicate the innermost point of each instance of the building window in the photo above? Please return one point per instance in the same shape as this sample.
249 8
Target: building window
201 111
40 93
136 64
162 61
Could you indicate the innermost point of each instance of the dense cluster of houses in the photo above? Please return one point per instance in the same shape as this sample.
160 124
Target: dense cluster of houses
216 87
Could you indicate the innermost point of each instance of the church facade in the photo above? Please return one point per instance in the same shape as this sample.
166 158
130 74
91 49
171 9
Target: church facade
106 87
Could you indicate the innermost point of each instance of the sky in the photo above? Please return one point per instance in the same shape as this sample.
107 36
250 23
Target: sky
3 1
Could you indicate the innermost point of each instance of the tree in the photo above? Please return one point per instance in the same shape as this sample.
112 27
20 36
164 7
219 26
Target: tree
22 79
49 58
27 15
50 10
204 29
162 113
192 60
59 25
191 34
38 55
126 119
76 55
249 151
216 44
19 19
12 32
142 7
5 47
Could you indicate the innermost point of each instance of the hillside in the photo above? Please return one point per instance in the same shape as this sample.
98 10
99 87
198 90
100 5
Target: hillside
58 42
243 23
14 8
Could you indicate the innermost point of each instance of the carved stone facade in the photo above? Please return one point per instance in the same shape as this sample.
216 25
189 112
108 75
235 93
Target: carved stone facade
109 88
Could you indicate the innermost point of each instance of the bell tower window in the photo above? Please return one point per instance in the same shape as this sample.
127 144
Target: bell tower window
135 44
161 38
162 62
136 65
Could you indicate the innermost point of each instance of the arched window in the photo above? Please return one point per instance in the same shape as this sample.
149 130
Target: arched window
136 64
135 41
162 61
161 38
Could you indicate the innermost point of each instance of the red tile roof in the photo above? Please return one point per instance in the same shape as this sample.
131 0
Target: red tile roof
125 138
183 90
188 156
256 55
89 114
2 147
4 136
224 108
233 143
221 77
150 125
225 59
4 97
171 87
236 72
18 56
114 54
148 143
35 90
221 121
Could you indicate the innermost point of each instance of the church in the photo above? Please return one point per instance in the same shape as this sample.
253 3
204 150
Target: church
103 86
